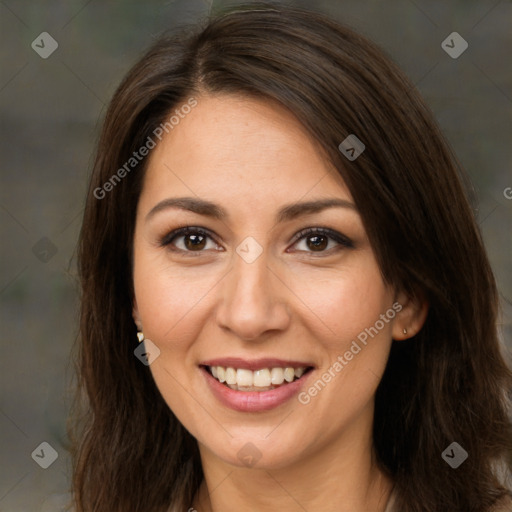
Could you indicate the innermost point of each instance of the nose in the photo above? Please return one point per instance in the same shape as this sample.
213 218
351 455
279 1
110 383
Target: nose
253 300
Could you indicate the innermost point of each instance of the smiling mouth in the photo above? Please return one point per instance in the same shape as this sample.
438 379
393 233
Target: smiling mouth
264 379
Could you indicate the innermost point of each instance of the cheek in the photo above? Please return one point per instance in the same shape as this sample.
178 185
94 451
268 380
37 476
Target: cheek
168 296
345 302
355 341
169 299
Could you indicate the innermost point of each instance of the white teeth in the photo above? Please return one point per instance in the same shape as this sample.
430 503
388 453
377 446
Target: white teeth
244 377
265 378
230 376
262 378
289 374
277 376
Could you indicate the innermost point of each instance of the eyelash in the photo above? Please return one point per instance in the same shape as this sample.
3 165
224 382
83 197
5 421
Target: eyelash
342 240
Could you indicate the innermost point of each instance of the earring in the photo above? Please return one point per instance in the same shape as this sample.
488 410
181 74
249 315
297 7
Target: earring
140 336
405 330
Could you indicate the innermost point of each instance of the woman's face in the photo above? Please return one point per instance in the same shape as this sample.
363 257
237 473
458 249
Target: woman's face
250 292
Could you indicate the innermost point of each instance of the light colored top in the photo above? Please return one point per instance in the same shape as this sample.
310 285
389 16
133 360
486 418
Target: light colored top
391 503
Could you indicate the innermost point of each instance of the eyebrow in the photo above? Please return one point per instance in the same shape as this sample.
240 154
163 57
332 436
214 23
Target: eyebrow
209 209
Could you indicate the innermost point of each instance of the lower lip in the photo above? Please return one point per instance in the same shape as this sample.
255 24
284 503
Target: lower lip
254 401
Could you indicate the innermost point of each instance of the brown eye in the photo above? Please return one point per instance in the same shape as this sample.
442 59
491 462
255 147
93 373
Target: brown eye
318 240
188 240
194 242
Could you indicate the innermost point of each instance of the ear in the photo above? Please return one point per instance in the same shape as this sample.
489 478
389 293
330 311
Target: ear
135 315
410 319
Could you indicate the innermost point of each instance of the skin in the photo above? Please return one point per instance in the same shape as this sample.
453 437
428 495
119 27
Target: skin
293 302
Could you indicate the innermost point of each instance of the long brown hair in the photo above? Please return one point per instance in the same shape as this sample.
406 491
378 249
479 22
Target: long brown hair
448 383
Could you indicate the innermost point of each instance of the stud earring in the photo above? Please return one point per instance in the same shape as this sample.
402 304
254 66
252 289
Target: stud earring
405 330
140 336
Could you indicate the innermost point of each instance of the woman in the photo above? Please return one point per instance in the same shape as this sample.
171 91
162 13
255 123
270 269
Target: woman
286 300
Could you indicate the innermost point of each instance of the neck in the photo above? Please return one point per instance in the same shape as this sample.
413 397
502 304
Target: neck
338 477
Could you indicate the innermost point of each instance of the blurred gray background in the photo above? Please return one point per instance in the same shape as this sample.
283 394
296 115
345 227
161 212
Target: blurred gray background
51 111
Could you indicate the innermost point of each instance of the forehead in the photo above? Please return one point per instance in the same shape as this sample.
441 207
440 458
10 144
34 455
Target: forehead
231 146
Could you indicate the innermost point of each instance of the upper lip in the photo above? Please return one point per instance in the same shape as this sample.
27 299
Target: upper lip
255 364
